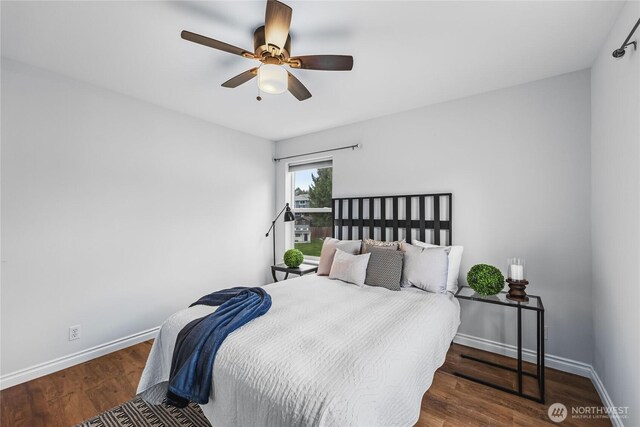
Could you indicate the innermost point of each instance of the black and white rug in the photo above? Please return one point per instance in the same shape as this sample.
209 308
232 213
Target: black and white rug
137 412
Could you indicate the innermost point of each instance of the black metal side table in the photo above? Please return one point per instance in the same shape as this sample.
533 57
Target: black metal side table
300 270
535 304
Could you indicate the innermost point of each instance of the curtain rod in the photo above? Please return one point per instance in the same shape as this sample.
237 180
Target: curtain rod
619 53
353 147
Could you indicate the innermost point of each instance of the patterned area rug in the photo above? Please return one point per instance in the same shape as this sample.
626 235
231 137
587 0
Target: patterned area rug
138 413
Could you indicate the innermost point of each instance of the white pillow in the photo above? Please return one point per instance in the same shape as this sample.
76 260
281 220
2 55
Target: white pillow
329 247
349 268
455 258
425 268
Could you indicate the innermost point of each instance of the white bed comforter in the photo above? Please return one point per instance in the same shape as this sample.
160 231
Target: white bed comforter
327 353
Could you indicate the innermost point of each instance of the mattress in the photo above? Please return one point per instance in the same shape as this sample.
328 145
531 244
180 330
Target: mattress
327 353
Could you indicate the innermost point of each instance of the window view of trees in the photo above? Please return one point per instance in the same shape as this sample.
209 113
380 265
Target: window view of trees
320 189
312 208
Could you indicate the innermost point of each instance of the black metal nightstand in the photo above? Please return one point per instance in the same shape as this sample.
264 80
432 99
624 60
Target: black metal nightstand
534 303
300 271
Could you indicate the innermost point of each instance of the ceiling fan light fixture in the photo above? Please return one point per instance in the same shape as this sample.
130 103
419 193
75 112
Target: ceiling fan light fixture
272 79
272 47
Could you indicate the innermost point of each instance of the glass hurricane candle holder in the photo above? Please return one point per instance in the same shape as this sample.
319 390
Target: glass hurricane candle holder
515 269
516 278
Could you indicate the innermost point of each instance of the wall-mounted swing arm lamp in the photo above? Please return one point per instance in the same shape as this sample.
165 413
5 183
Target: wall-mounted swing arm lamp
619 53
288 217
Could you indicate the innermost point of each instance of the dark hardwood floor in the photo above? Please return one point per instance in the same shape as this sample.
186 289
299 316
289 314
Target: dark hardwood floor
70 396
453 401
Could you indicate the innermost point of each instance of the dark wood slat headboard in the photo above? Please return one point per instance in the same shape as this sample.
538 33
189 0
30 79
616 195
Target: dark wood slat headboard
426 217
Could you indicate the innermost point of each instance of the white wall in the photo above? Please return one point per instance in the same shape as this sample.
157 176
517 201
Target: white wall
117 213
615 212
518 164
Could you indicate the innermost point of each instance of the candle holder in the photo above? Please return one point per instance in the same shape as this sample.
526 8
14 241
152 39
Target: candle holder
517 290
516 280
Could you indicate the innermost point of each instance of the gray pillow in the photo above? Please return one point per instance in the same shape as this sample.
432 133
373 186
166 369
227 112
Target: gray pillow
385 268
425 268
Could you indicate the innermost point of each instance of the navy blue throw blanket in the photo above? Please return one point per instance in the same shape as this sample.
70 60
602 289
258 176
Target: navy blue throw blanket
198 342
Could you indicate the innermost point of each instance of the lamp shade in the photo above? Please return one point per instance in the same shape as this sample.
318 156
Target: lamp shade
272 79
288 215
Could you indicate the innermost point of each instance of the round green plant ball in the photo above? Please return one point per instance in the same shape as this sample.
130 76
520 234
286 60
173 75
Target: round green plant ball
485 279
293 258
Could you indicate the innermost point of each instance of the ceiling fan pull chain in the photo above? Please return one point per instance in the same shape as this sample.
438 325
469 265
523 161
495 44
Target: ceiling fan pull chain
258 98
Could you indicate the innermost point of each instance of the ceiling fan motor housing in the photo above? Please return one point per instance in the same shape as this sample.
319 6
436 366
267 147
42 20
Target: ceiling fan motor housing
262 50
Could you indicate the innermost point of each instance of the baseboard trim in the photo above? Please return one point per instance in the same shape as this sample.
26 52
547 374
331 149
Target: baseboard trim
556 362
551 361
46 368
606 399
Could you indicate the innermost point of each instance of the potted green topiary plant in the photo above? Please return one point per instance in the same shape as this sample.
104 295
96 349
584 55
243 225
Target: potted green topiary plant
485 279
293 258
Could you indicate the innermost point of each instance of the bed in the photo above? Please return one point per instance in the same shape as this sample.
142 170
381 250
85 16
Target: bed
327 353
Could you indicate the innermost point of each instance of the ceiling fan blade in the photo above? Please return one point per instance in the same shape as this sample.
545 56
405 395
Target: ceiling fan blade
241 78
297 89
323 62
216 44
277 21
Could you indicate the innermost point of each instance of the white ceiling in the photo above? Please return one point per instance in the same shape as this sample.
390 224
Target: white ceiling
407 54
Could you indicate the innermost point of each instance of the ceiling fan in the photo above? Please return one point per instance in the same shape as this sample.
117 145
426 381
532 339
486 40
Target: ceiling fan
272 47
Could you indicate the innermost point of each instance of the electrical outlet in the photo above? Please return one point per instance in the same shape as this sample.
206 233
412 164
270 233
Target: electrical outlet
546 332
74 332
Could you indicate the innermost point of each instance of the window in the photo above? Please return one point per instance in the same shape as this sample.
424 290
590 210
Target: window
312 192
